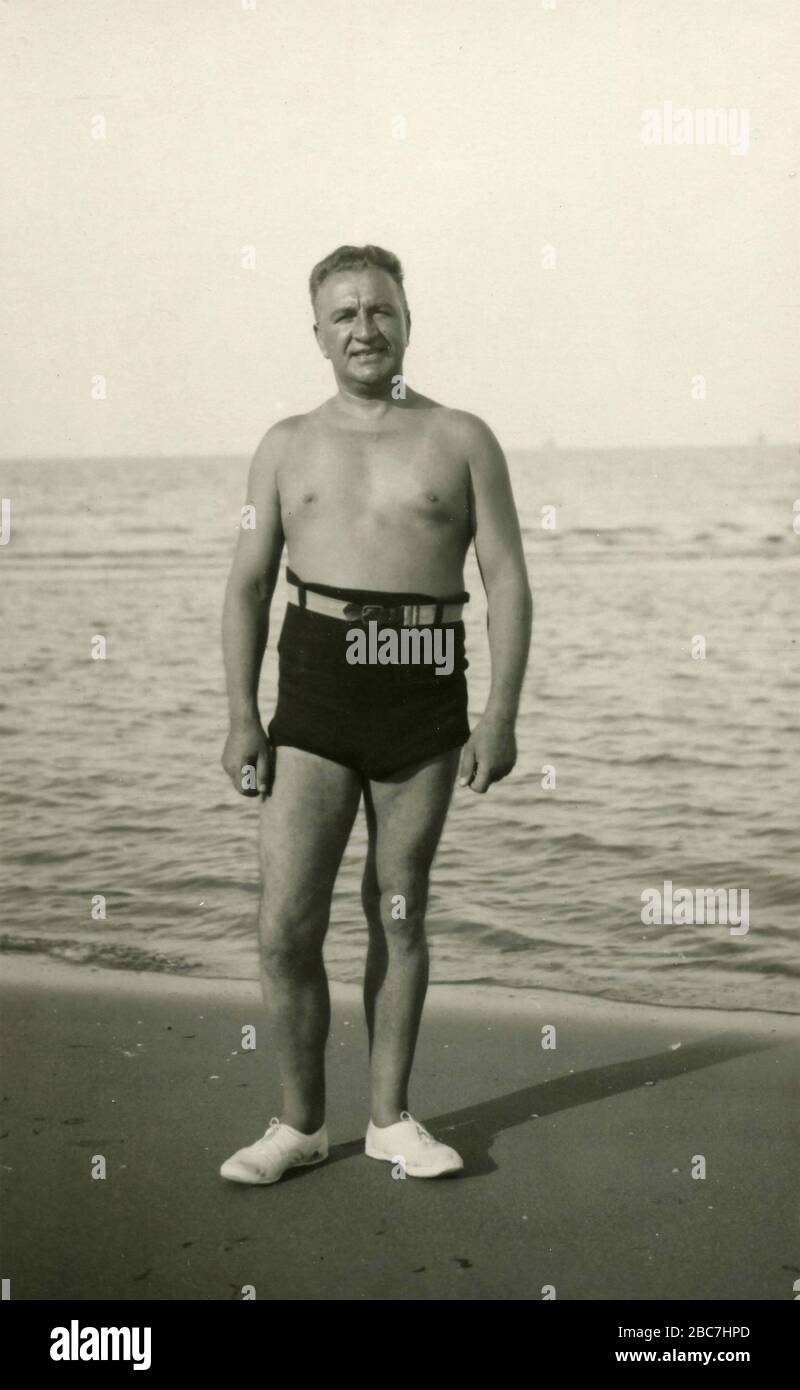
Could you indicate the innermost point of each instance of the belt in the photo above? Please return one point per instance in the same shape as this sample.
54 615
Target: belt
400 615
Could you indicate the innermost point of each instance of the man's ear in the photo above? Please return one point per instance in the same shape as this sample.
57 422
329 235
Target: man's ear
319 341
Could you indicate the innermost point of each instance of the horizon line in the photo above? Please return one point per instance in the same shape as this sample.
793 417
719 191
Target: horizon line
551 447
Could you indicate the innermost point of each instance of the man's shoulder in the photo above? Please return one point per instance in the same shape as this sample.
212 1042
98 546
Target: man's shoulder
276 443
464 420
470 433
282 432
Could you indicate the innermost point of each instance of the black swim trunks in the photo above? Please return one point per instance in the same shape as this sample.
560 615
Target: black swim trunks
377 719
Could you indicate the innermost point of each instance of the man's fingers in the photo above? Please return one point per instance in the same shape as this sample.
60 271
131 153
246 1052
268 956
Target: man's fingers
481 780
263 777
471 773
467 766
247 783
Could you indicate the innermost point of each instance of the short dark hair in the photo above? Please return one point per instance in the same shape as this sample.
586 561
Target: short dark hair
357 258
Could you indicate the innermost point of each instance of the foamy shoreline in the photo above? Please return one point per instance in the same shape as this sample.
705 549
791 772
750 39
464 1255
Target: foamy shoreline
41 970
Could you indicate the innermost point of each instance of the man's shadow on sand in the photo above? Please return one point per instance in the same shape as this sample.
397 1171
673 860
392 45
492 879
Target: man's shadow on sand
473 1129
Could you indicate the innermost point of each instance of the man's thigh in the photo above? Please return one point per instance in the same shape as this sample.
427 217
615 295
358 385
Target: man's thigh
305 825
406 816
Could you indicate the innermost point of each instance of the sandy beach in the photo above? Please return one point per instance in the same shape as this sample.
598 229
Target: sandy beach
578 1160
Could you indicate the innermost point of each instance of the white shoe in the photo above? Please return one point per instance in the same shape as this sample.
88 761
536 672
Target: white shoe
409 1143
280 1148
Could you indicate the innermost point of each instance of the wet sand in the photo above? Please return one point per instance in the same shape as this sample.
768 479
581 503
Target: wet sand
578 1159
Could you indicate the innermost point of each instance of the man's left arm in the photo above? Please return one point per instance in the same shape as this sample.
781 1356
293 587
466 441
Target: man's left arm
491 751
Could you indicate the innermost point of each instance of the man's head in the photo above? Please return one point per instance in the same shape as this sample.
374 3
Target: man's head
362 322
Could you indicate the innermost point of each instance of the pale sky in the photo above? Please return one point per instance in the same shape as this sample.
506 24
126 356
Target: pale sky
277 128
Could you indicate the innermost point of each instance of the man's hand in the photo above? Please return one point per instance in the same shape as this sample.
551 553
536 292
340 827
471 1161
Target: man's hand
248 758
489 754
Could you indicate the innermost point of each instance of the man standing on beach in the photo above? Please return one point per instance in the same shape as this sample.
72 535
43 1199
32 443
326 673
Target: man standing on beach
377 495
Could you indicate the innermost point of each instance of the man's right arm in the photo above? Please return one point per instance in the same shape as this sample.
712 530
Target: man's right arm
245 618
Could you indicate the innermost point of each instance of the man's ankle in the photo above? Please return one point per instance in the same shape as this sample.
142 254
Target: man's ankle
384 1115
302 1124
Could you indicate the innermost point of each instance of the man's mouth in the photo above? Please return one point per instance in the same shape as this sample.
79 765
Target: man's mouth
368 352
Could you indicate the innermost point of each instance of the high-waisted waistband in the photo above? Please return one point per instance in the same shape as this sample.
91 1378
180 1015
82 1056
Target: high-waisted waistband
384 597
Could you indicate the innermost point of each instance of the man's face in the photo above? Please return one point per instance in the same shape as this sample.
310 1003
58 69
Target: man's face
362 328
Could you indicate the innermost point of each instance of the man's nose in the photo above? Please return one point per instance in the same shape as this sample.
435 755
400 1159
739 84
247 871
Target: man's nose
363 327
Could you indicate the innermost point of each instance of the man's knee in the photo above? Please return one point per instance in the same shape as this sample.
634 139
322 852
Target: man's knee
291 937
403 900
284 957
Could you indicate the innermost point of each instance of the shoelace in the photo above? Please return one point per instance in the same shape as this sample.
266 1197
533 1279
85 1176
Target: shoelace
271 1130
421 1130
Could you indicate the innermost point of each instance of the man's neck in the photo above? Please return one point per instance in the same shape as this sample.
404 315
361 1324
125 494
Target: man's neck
369 408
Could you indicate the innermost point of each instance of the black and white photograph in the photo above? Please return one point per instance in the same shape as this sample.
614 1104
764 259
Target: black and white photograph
399 545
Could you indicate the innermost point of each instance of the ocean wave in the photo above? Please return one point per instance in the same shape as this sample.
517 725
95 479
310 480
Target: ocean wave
114 955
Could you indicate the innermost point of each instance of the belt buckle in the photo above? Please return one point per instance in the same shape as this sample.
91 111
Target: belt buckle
369 612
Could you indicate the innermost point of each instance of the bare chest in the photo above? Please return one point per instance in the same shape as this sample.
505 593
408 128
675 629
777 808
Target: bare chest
395 479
